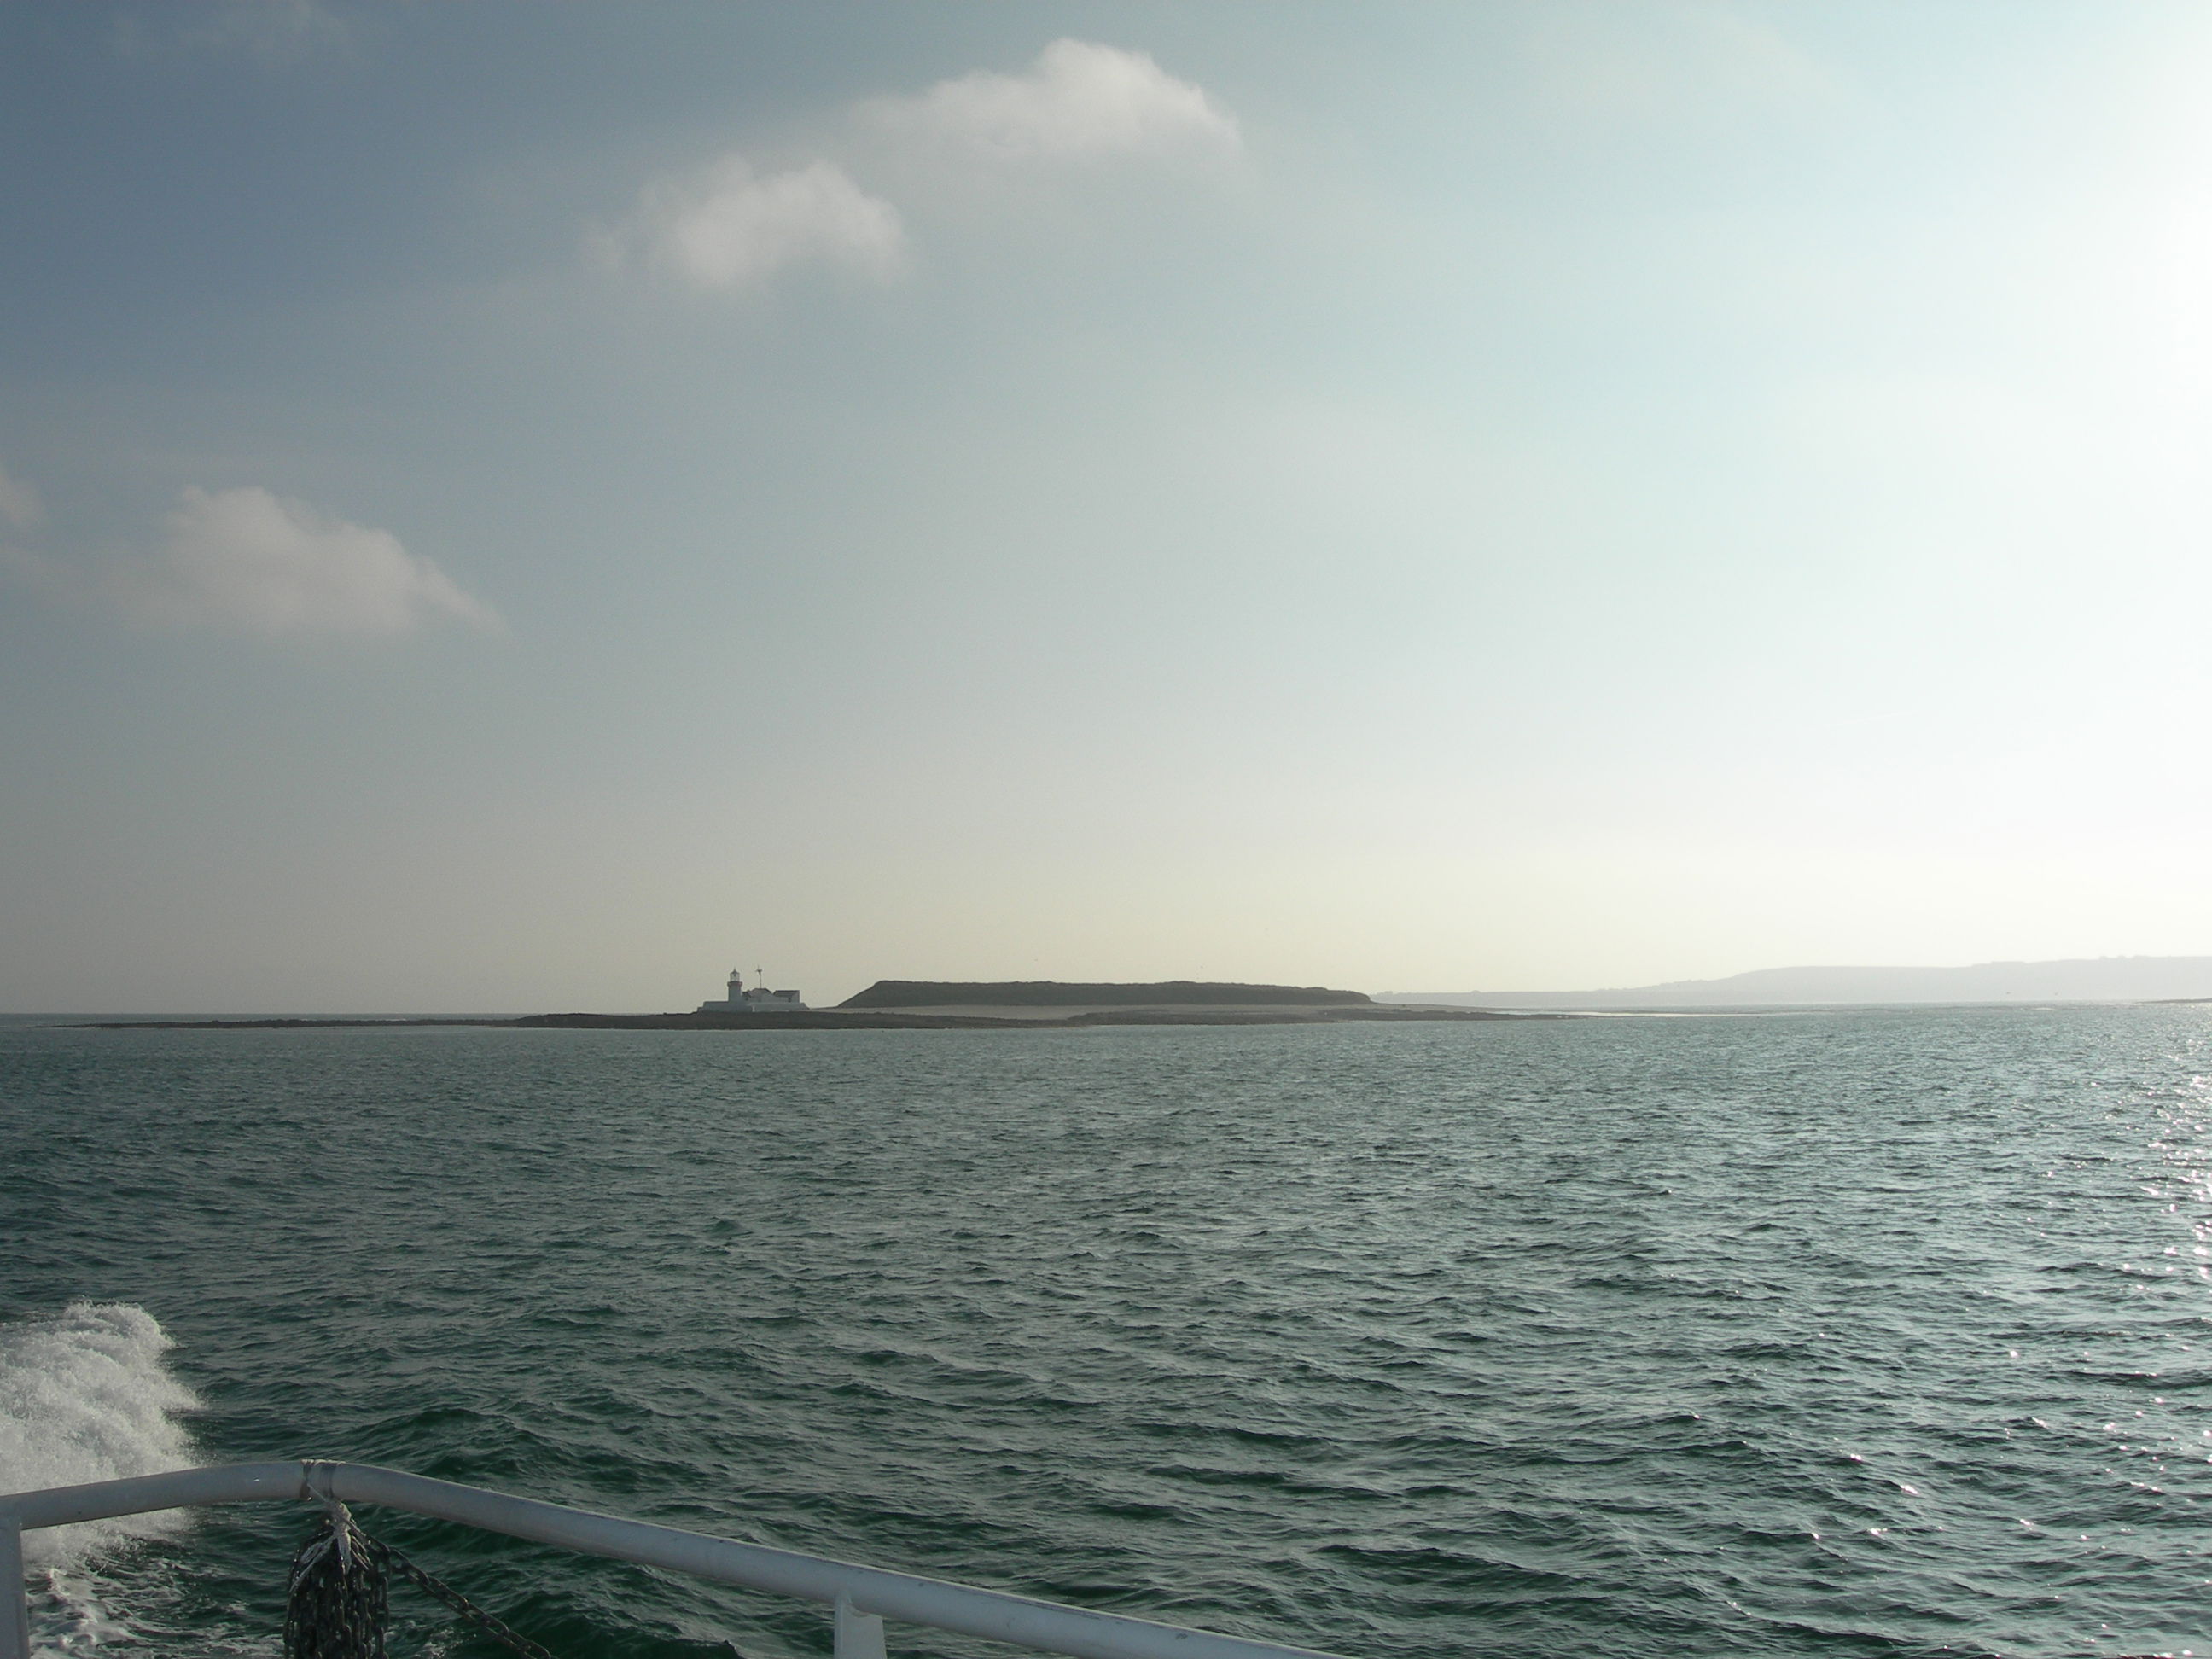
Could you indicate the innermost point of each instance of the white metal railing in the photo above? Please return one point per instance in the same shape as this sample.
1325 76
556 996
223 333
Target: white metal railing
863 1597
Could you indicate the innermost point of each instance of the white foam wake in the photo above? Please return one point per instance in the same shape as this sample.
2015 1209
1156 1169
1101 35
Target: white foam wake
84 1396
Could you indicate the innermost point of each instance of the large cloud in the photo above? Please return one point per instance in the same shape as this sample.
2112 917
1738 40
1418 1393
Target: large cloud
1078 100
731 227
245 561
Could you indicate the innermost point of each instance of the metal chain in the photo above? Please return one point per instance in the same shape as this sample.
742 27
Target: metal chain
460 1603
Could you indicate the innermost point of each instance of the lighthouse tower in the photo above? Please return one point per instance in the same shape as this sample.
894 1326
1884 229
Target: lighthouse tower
758 1000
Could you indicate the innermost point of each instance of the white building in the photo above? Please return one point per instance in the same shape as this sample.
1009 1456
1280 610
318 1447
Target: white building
758 1000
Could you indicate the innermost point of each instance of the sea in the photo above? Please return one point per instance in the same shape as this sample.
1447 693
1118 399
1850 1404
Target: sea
1859 1332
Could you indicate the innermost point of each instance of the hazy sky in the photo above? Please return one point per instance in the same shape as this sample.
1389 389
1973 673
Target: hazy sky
523 507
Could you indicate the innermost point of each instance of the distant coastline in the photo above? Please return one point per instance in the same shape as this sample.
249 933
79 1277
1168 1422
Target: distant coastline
2092 979
978 1005
834 1019
932 1004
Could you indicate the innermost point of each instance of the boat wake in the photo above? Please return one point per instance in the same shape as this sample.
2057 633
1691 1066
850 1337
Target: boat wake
84 1396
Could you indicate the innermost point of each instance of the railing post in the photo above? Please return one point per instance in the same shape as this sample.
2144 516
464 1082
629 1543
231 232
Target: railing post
859 1635
14 1598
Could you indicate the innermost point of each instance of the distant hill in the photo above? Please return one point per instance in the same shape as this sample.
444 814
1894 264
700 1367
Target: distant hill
1058 993
2099 979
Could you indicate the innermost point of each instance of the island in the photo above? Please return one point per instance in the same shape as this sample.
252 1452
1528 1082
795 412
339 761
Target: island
922 1004
1023 994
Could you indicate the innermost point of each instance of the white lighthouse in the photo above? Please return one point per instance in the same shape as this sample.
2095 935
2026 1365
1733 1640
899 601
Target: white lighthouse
757 1000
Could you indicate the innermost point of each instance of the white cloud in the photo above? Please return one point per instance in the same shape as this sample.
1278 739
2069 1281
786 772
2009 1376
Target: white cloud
245 561
1078 100
277 32
19 503
732 227
21 569
1698 64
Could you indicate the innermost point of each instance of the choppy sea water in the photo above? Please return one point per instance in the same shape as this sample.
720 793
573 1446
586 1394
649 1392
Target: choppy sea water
1855 1332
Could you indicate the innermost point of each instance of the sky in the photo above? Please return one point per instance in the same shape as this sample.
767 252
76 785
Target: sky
522 508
